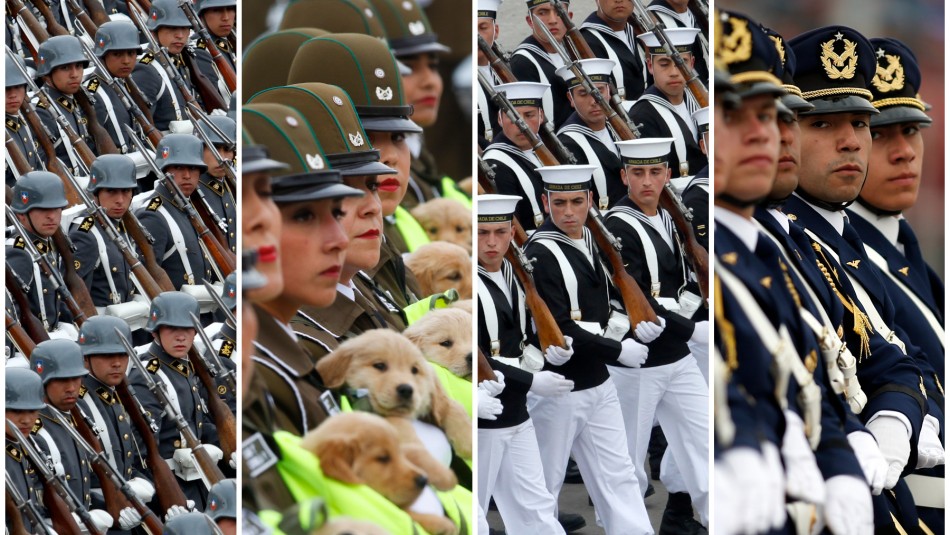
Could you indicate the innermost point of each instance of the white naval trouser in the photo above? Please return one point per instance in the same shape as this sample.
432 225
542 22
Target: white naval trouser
509 468
676 395
589 424
701 354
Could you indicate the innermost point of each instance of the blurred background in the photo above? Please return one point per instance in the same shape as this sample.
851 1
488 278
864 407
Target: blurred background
919 24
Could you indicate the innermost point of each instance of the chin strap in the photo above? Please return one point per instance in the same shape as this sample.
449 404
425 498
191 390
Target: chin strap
875 210
830 206
738 203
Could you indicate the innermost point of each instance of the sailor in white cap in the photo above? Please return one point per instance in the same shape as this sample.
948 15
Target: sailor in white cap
587 422
677 14
487 26
586 133
536 60
665 109
611 36
669 387
696 193
510 153
509 463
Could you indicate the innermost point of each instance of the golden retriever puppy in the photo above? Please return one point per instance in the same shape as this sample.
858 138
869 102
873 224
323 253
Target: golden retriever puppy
466 185
445 338
440 266
463 304
446 220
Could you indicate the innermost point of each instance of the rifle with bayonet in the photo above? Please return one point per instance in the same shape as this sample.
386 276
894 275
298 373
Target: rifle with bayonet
32 325
17 507
223 65
212 291
82 16
229 174
223 418
221 372
17 334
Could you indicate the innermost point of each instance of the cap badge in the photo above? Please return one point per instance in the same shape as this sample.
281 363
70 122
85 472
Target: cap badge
154 15
337 100
24 197
384 94
779 47
839 66
379 73
292 121
315 161
102 43
165 152
890 78
356 139
417 28
407 5
737 46
39 366
368 12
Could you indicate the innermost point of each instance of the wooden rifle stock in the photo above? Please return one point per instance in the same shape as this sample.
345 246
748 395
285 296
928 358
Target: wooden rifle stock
52 162
210 97
81 303
30 323
19 159
18 335
14 517
79 11
16 8
148 126
483 368
208 216
104 141
63 521
97 12
135 231
635 303
224 66
52 26
549 333
223 417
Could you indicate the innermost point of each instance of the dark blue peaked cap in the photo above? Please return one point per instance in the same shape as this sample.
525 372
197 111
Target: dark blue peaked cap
896 84
834 70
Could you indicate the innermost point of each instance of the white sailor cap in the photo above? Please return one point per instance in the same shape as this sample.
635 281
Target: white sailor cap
597 69
493 208
559 178
524 93
701 116
488 9
645 151
681 38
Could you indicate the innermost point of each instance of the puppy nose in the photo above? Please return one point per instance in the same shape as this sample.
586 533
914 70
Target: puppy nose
404 391
468 359
421 481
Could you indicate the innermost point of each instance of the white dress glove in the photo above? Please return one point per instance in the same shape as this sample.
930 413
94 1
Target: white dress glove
129 518
489 407
558 356
774 483
739 484
803 479
101 519
632 353
142 488
176 510
232 462
848 509
700 334
893 439
550 384
493 388
930 451
870 458
647 331
184 458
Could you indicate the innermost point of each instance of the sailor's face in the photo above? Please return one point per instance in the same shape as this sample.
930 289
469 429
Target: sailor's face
568 210
493 242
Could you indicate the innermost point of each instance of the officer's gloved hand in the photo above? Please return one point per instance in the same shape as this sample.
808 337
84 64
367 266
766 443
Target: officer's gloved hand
774 478
872 461
214 452
848 509
632 353
930 451
489 407
739 484
550 384
893 438
493 388
803 479
647 331
129 518
558 356
700 334
101 519
142 488
184 459
232 462
176 510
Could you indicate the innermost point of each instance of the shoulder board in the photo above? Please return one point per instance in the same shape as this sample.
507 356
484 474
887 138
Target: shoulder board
37 426
41 245
226 349
93 84
216 186
19 243
82 391
201 44
105 395
153 365
154 204
87 224
180 366
14 452
147 58
41 103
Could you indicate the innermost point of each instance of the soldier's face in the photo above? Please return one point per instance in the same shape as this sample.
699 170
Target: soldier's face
176 341
493 242
115 202
587 107
423 87
15 97
666 77
549 17
42 221
645 184
214 169
260 226
219 20
614 10
532 116
108 369
488 29
63 393
790 137
186 177
568 210
838 146
67 78
393 152
897 158
23 420
120 62
174 39
313 233
363 223
753 156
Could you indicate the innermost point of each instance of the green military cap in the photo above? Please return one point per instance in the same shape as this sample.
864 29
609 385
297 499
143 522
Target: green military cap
407 28
290 139
334 16
365 68
267 60
330 112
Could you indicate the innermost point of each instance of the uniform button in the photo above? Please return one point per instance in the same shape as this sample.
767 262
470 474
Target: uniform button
68 477
114 269
45 291
129 454
86 479
194 388
125 436
121 417
177 443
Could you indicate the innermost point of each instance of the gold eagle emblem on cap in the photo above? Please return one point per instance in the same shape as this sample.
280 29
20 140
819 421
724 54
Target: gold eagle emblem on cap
779 47
890 78
737 45
839 66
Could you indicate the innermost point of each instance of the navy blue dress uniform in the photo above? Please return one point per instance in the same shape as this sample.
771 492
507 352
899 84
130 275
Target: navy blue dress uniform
102 405
629 71
161 93
75 462
77 120
221 200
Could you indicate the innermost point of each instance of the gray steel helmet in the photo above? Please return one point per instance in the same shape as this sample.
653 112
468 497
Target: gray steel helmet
112 171
58 359
202 5
58 51
180 149
13 75
97 335
229 292
166 13
171 309
222 500
226 125
38 189
24 390
191 524
116 35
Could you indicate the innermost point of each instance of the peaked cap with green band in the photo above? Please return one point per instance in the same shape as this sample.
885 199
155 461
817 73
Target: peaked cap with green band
334 16
267 60
407 28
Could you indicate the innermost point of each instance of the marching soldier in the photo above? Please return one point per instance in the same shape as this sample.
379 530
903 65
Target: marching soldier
213 182
696 193
534 60
16 127
24 396
487 27
676 14
222 506
611 36
220 18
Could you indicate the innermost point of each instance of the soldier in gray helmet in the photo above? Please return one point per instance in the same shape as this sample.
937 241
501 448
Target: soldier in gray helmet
191 524
167 361
220 17
213 182
38 202
224 342
60 364
60 65
17 128
176 241
222 505
24 399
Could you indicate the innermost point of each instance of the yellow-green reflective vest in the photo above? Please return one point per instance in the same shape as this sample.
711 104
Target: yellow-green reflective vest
450 190
410 229
418 309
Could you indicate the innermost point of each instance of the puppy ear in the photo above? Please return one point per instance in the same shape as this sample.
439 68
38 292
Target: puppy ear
441 406
336 456
333 367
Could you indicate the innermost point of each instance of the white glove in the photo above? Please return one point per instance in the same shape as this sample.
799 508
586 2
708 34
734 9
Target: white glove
181 127
558 356
870 458
729 508
743 484
774 483
101 519
930 451
493 388
632 353
488 407
184 458
142 488
129 518
176 510
218 112
892 437
647 331
803 479
232 462
214 452
848 509
550 384
700 334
